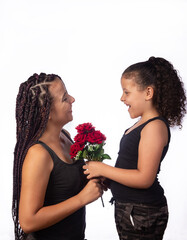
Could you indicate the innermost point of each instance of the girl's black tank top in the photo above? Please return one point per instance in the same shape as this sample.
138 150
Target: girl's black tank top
128 159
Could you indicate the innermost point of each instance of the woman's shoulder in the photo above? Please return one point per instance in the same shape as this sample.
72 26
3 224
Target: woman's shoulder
37 148
38 154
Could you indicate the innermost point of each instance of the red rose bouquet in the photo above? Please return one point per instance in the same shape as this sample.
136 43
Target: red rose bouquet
88 144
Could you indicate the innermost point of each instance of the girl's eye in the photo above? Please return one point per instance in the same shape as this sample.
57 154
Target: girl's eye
126 92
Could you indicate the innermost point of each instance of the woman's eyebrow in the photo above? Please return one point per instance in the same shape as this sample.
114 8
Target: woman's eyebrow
64 94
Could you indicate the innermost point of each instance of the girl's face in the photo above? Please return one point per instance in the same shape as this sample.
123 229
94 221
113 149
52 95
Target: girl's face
133 97
61 108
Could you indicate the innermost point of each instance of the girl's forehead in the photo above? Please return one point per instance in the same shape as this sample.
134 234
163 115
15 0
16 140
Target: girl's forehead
128 82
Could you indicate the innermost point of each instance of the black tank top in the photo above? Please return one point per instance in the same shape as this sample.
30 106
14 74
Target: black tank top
66 180
128 159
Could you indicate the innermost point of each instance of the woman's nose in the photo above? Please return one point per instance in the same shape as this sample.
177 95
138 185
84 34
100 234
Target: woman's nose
72 99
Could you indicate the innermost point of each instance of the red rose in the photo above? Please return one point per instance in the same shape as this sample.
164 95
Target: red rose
81 138
96 137
75 148
85 128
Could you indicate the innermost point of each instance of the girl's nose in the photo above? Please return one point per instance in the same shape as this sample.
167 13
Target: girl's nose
122 98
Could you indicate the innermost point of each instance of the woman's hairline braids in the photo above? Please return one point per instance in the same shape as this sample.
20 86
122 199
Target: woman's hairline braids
40 85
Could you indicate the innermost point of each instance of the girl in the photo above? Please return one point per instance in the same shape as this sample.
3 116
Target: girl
49 192
153 91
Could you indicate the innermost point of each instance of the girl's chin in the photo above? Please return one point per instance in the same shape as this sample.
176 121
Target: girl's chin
132 115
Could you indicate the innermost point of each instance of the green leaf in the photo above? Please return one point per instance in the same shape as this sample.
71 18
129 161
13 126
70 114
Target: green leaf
98 146
98 153
90 148
85 154
101 151
79 155
105 156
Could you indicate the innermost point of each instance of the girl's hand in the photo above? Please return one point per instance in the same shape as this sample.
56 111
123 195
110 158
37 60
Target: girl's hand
92 169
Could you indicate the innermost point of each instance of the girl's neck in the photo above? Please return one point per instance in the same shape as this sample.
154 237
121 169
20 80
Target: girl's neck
147 116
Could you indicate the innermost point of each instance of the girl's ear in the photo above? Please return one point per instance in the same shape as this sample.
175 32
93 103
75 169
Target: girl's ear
149 93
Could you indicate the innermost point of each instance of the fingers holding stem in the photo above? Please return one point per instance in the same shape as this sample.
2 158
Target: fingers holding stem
91 169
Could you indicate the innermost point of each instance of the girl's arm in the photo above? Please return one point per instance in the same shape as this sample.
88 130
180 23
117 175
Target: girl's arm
154 137
36 170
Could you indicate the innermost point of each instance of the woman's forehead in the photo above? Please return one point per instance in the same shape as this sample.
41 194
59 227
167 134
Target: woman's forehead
56 87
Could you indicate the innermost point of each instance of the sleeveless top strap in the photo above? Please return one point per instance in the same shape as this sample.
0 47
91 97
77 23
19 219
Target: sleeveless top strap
50 151
67 135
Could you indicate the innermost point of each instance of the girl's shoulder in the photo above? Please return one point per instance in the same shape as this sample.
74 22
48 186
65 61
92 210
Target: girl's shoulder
155 124
156 128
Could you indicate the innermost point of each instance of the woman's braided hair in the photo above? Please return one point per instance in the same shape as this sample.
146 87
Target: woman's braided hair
32 112
169 94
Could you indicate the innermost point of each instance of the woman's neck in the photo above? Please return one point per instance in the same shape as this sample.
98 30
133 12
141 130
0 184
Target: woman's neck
51 134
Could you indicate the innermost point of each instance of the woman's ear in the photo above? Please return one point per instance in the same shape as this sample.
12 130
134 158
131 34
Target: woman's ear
149 93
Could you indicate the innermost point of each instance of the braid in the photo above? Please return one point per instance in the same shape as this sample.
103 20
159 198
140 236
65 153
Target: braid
32 112
169 95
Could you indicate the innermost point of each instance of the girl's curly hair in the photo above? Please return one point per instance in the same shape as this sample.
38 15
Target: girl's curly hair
33 105
169 94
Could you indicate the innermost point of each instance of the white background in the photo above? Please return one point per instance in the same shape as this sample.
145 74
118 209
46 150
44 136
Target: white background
89 43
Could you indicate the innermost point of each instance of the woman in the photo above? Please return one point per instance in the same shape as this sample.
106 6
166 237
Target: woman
49 192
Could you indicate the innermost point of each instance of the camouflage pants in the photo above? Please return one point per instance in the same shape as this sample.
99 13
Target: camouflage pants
140 222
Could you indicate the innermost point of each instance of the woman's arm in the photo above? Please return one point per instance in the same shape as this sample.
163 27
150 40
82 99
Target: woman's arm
35 176
154 137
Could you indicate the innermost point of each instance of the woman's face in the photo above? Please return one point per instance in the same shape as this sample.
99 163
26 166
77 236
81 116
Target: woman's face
61 108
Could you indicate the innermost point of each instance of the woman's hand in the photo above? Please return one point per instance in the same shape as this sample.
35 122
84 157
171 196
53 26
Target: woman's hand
105 183
93 169
91 192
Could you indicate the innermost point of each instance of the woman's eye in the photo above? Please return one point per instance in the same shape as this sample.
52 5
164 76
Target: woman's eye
64 99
